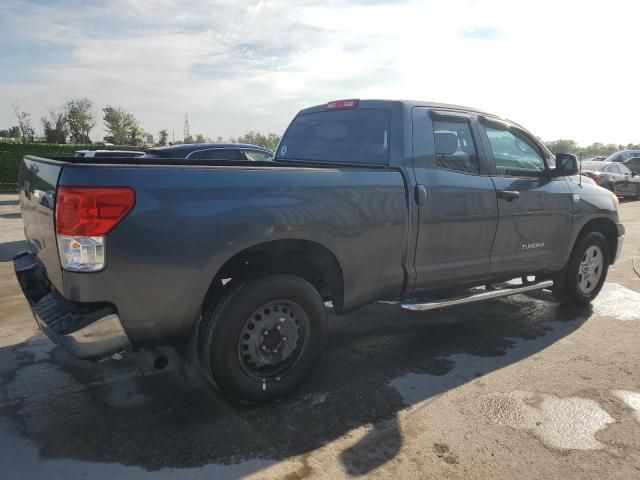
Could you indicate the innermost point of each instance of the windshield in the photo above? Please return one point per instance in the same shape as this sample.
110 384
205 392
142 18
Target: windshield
341 136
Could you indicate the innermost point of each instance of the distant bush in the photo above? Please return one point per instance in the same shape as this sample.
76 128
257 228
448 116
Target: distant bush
11 154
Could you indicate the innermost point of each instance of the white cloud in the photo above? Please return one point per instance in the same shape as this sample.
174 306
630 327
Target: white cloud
563 69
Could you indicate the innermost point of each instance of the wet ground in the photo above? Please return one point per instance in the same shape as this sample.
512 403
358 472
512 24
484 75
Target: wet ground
515 388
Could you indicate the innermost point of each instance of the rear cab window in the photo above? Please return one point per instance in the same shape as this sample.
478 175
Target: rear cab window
359 135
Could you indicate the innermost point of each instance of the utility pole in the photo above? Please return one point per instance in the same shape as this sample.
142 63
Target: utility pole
186 128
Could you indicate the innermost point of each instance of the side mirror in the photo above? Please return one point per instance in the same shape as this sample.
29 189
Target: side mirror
566 165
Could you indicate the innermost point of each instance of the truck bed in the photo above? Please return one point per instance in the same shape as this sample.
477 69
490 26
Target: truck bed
190 217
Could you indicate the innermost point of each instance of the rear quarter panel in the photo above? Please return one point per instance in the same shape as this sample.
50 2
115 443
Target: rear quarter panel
188 221
37 181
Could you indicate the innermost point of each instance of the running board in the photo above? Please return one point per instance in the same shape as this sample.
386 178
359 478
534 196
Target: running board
477 297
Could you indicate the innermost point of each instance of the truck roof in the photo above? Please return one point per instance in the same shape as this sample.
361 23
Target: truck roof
407 103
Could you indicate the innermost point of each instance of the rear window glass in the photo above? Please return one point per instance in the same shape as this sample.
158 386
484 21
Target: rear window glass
341 136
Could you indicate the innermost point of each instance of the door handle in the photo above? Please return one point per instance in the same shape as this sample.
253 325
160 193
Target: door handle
508 195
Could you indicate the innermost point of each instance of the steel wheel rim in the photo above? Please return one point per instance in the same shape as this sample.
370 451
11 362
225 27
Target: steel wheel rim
590 269
272 339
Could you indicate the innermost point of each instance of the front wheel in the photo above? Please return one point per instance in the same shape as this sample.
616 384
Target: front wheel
261 340
586 270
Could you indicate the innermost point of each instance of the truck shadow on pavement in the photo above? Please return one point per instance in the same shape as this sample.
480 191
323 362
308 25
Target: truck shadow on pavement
380 359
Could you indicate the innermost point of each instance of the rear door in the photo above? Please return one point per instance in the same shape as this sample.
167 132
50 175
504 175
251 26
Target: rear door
629 185
534 210
456 199
615 178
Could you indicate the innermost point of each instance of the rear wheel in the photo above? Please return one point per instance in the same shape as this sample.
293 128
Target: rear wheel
586 270
261 340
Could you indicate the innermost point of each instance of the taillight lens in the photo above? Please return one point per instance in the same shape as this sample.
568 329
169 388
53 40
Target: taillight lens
92 211
84 216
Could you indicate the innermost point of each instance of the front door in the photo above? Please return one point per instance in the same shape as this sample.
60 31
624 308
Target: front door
534 210
456 197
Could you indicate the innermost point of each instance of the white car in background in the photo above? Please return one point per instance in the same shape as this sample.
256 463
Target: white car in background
107 153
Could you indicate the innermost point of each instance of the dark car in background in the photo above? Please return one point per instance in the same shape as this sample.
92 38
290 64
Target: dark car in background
622 156
613 176
212 151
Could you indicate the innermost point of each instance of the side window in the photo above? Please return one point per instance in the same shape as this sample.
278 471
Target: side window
223 154
624 170
257 156
513 154
454 147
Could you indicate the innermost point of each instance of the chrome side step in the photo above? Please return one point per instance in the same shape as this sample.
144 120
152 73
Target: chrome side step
477 297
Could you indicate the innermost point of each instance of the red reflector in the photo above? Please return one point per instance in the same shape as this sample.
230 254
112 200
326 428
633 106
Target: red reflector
91 211
342 104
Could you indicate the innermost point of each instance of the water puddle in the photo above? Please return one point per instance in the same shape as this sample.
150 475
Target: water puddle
562 423
632 399
617 301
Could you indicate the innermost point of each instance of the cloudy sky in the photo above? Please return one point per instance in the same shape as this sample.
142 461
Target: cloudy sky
564 69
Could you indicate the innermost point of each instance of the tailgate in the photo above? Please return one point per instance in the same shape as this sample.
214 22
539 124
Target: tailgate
37 182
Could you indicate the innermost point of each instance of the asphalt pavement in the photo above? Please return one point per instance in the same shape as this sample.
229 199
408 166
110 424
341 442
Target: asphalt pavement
512 388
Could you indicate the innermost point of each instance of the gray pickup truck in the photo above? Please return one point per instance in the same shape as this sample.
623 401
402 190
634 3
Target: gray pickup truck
428 204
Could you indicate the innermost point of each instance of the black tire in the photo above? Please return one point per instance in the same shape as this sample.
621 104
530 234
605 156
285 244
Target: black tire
223 355
570 285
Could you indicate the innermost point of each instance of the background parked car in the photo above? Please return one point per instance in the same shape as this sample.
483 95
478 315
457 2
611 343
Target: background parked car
633 164
622 155
213 151
613 176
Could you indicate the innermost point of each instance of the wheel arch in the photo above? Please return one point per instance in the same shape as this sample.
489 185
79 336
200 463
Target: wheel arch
603 225
304 258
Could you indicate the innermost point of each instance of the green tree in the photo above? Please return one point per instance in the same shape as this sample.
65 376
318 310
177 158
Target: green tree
268 141
24 124
562 146
54 125
163 136
12 132
80 119
136 135
199 139
121 126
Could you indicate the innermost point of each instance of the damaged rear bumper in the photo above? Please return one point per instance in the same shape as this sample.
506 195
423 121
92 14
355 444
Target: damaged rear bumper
87 331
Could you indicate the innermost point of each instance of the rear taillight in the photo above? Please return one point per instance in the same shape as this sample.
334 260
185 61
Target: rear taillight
342 104
84 216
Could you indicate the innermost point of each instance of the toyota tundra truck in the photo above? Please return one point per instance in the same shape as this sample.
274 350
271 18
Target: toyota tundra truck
430 205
